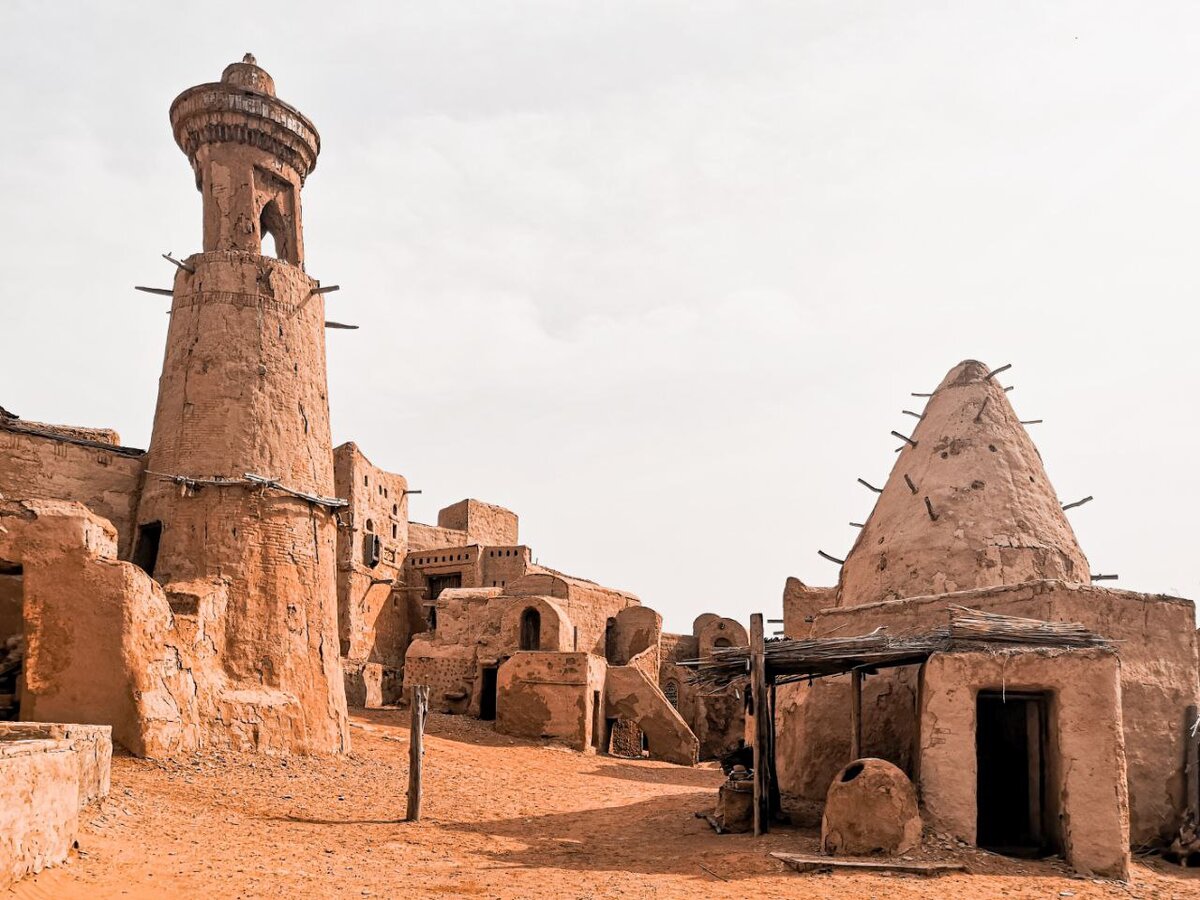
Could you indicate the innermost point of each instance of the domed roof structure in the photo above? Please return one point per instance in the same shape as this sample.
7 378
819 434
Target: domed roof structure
967 505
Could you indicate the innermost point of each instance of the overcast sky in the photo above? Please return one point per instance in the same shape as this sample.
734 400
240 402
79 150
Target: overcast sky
658 276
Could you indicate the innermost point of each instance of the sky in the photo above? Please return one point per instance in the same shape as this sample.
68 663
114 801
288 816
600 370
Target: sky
658 276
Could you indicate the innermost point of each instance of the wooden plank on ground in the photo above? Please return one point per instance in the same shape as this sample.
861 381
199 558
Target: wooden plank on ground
805 862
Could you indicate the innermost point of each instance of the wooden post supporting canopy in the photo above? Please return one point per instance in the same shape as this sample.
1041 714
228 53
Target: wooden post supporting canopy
416 749
762 724
855 714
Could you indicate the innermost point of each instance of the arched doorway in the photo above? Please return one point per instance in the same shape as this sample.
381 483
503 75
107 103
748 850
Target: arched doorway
531 629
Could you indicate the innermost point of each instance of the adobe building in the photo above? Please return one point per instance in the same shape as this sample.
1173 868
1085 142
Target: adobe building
229 586
969 519
453 605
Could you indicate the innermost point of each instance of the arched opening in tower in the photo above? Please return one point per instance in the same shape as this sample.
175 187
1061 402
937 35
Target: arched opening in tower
273 231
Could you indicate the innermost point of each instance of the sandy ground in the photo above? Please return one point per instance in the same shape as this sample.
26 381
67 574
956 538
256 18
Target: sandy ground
502 818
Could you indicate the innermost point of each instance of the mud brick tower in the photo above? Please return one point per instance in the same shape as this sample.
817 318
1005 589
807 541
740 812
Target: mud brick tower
243 393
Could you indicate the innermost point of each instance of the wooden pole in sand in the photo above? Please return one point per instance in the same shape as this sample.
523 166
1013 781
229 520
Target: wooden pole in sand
762 721
416 749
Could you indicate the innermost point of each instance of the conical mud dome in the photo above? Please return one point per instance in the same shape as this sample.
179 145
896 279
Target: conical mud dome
992 517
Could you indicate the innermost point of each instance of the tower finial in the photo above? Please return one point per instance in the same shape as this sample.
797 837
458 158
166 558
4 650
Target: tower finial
249 58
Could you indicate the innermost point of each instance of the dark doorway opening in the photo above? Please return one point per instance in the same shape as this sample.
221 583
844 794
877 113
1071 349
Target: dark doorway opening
610 641
487 694
439 583
145 554
12 641
531 630
1012 756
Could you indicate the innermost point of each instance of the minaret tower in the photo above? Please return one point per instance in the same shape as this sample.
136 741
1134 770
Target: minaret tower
244 392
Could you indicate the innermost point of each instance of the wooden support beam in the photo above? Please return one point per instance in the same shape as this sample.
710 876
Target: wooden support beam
1087 499
416 749
912 487
328 289
162 292
855 715
762 722
830 557
870 486
341 325
169 258
992 374
904 438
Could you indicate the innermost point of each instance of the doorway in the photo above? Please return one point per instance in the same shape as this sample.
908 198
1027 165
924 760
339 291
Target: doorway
439 583
531 630
145 554
12 640
1011 752
487 694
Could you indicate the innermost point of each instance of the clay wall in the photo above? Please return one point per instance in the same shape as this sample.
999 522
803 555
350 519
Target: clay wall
638 633
503 565
801 604
373 619
1157 647
484 523
555 633
450 670
423 537
551 695
447 658
100 474
48 774
588 605
1085 780
100 648
39 806
678 647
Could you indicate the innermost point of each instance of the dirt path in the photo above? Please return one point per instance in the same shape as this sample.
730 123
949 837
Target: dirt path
503 818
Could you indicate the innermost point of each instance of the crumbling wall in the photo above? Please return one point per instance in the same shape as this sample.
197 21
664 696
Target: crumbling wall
484 523
550 695
61 463
1156 641
1087 770
630 695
